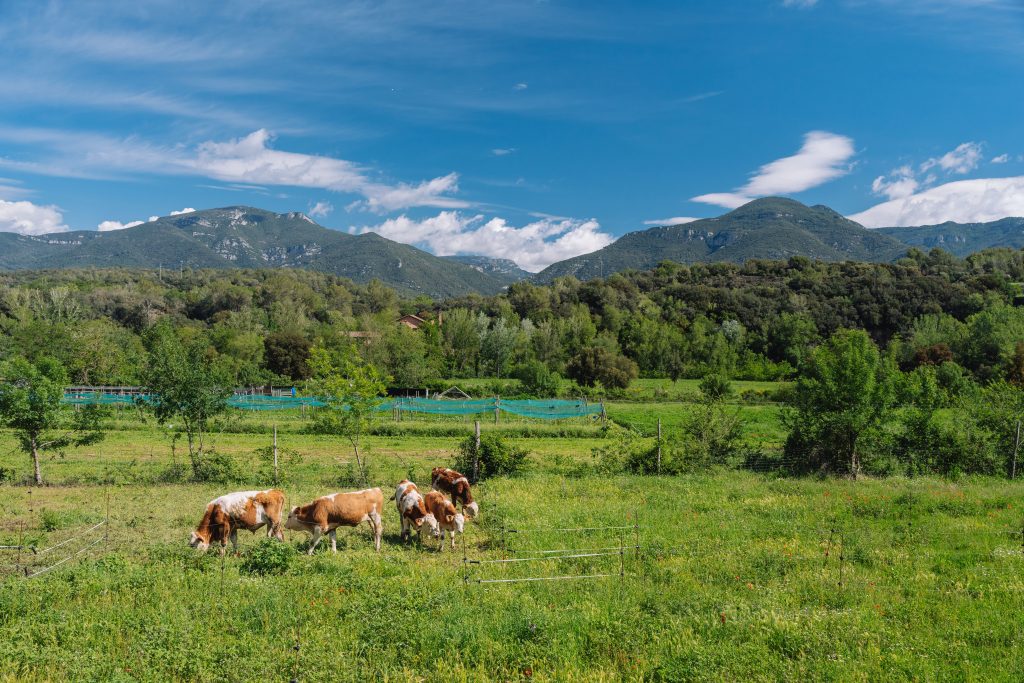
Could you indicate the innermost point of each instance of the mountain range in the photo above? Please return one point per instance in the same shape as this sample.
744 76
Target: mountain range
771 228
246 237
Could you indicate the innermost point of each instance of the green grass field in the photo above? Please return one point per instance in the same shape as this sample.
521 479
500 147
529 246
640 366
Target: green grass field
738 576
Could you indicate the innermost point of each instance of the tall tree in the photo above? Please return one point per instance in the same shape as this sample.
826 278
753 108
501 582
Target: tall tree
351 390
31 404
844 392
182 383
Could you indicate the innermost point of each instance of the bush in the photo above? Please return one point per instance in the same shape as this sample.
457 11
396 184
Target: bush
268 556
715 387
495 458
218 468
538 380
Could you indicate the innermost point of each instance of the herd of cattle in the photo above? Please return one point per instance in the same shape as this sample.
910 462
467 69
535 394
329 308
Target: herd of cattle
252 510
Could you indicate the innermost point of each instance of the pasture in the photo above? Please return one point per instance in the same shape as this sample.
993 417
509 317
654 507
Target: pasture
738 576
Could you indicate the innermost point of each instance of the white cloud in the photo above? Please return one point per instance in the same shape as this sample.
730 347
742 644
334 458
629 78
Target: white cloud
676 220
898 184
802 4
249 160
1001 159
520 86
321 210
503 151
27 218
107 226
964 159
822 158
533 246
964 201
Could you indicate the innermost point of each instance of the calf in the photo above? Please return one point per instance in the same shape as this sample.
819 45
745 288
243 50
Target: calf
248 510
327 513
455 484
448 518
412 511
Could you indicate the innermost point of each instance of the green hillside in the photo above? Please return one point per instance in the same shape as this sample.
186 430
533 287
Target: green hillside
962 238
244 237
770 228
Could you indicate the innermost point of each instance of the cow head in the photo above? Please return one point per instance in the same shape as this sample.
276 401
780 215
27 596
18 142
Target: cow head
293 522
472 510
429 522
198 542
460 521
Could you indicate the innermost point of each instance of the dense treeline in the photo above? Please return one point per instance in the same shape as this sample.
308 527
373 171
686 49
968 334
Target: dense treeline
751 321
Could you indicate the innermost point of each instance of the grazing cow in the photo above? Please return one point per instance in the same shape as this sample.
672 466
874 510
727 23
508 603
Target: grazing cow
412 511
455 484
327 513
248 510
448 518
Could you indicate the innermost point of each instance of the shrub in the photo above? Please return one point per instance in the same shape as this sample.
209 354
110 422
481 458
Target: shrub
268 556
715 387
218 468
538 380
495 458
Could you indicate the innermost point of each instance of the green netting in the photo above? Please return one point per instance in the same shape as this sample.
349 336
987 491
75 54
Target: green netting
550 409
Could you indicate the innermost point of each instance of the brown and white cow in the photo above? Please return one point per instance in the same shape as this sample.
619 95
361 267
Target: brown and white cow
412 511
448 518
454 483
250 510
327 513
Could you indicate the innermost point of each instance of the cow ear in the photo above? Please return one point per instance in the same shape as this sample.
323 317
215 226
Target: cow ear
450 517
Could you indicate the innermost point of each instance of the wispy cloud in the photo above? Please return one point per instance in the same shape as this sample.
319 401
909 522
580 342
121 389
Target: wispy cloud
676 220
800 4
964 201
1001 159
823 157
964 159
533 246
503 151
249 161
321 209
905 180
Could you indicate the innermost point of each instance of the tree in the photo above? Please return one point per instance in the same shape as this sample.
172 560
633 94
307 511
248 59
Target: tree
31 404
351 390
842 395
183 384
287 354
597 364
537 380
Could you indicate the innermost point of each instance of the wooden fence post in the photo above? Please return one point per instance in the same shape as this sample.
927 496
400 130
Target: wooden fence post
276 478
1016 447
476 451
659 445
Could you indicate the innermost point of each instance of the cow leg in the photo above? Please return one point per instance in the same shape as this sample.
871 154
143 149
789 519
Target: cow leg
234 541
333 533
317 534
453 540
440 544
377 525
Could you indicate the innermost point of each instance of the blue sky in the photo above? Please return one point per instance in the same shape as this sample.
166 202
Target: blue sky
529 130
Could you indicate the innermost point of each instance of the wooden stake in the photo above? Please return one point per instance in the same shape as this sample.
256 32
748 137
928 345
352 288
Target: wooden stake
476 451
276 478
1016 447
659 445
